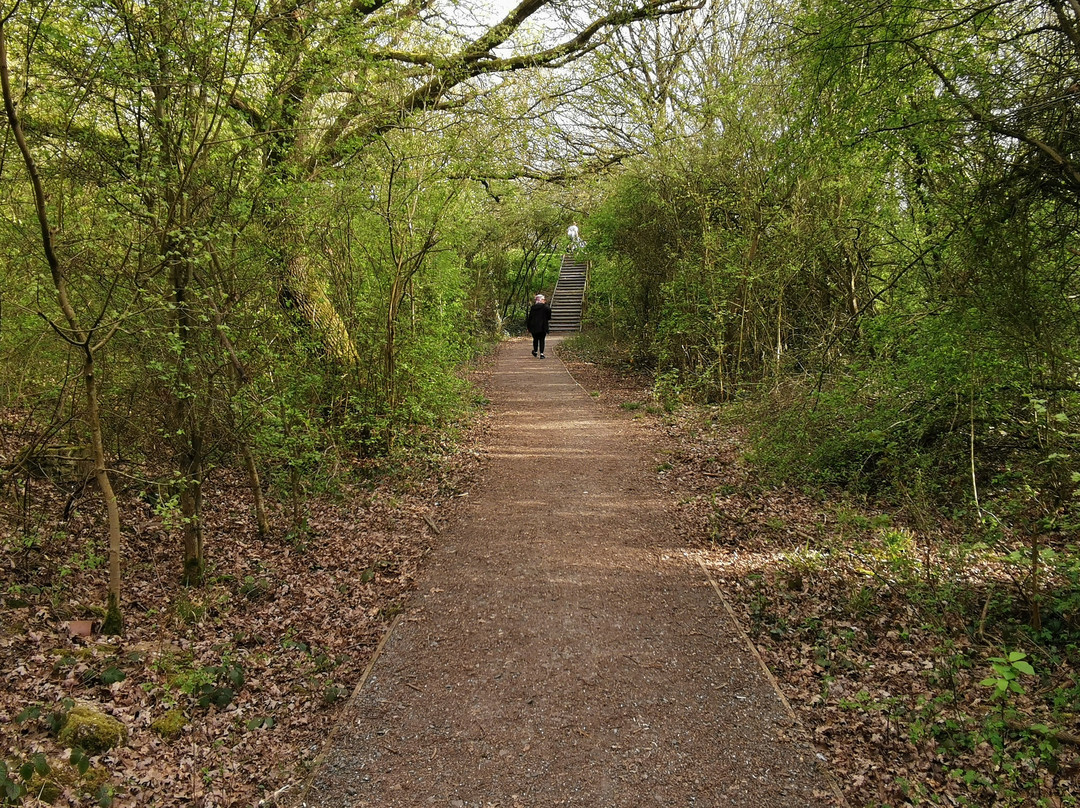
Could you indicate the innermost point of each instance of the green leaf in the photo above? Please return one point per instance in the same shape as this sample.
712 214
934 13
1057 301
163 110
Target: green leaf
236 676
223 696
26 772
33 711
1016 655
1024 667
41 765
80 760
113 675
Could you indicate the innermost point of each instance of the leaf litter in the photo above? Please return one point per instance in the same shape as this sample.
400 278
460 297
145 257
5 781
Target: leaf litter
252 667
876 631
259 662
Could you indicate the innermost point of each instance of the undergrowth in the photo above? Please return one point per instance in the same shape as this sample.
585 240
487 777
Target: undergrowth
924 620
922 645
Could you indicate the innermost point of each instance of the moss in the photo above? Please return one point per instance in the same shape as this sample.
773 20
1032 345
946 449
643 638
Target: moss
51 786
92 730
82 653
114 620
171 724
63 777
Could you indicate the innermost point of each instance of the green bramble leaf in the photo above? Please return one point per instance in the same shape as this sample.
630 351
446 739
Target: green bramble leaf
41 765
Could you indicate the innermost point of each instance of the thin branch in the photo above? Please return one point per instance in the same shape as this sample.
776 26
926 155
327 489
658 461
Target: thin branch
993 123
59 281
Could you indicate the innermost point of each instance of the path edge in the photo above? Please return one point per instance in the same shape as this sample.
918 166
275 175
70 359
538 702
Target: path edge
347 710
837 792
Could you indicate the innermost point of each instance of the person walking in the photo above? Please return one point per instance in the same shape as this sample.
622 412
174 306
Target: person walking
538 323
576 241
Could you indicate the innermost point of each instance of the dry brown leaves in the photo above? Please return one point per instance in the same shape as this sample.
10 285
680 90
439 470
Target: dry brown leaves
888 697
287 623
890 693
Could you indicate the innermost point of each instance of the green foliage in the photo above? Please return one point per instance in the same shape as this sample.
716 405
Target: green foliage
863 584
15 778
206 686
260 722
53 720
513 253
219 689
1007 672
43 781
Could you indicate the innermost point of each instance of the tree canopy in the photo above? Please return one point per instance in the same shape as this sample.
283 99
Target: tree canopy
262 237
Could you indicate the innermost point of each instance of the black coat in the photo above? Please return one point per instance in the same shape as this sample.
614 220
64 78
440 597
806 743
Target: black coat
538 319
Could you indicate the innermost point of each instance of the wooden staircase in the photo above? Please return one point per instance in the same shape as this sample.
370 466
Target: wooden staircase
569 296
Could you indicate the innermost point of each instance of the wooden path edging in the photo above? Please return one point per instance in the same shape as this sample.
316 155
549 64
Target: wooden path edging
840 801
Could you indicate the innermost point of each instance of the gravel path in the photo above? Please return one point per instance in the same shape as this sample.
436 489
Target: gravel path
561 648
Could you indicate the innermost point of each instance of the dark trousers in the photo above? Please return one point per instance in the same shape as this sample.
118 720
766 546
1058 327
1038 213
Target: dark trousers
538 342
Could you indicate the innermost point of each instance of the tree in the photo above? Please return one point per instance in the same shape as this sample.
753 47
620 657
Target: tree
186 151
88 339
355 71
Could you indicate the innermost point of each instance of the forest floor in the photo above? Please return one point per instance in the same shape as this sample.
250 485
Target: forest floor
889 634
510 638
564 646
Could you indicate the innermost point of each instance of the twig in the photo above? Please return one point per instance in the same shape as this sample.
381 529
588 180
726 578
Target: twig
1064 736
982 617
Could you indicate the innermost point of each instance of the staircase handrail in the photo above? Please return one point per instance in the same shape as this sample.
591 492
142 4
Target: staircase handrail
584 296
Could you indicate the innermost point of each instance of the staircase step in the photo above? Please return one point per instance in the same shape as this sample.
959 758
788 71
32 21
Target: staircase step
566 302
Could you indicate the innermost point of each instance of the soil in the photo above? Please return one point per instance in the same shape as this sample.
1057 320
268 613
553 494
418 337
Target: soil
563 645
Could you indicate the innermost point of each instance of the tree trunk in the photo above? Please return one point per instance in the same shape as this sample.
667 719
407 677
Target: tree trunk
184 427
114 621
191 511
256 490
83 339
303 292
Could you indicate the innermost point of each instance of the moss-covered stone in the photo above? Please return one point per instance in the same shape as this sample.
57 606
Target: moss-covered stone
49 787
171 724
61 777
91 730
94 778
46 789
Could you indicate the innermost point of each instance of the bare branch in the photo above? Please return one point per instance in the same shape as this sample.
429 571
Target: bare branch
59 280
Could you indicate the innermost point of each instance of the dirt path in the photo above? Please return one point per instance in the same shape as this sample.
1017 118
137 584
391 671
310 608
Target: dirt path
561 649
